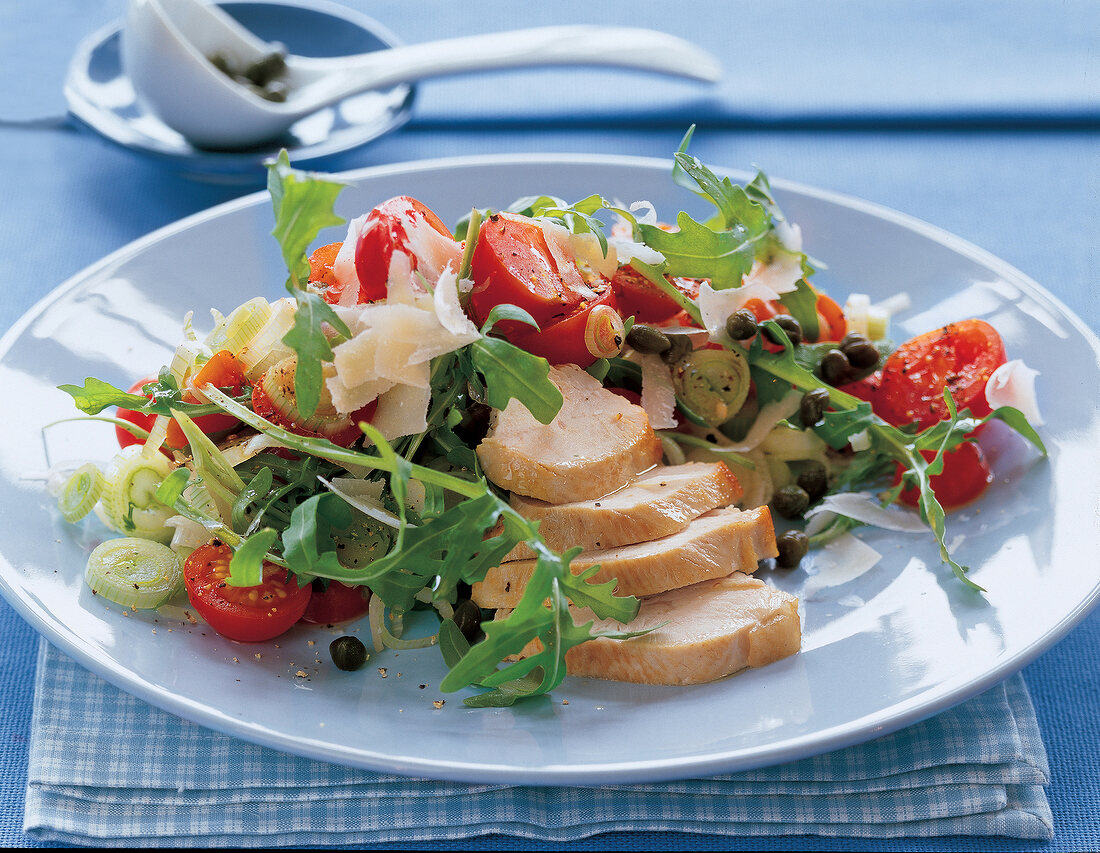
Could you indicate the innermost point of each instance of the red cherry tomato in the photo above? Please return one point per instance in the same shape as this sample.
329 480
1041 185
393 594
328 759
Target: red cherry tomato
866 388
638 297
337 603
512 264
565 342
248 614
386 231
320 268
964 477
222 371
141 419
832 325
960 356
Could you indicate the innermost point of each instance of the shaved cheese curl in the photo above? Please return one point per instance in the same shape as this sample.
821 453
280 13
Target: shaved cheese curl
1013 384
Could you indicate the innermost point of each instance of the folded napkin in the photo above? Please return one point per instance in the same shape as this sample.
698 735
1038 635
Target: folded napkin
106 769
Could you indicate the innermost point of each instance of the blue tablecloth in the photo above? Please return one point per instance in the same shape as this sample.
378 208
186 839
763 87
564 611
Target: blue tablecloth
982 118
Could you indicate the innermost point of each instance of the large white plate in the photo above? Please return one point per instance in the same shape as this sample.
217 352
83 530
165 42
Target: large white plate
881 650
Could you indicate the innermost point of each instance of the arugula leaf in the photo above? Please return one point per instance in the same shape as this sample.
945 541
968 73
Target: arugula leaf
507 311
246 566
802 305
95 395
303 204
697 251
511 372
307 338
739 212
307 543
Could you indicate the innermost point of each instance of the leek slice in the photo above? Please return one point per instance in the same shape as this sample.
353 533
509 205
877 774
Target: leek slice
129 501
136 573
236 331
81 492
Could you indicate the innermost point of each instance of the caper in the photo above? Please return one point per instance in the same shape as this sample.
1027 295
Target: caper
467 617
266 68
813 406
792 545
835 367
791 501
862 355
348 653
741 324
679 346
814 478
647 339
221 62
789 325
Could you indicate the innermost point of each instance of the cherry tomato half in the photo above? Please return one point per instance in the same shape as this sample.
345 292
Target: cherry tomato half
832 324
387 230
141 419
964 477
512 264
960 356
638 297
320 268
249 614
336 603
222 371
565 342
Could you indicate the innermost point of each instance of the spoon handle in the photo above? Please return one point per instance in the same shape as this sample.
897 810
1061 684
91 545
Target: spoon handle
625 47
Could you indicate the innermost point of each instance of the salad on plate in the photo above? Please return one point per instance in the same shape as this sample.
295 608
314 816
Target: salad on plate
559 437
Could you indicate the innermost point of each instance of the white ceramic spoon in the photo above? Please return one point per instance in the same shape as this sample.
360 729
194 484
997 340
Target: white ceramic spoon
166 43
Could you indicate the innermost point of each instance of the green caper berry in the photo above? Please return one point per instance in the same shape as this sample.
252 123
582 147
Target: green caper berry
791 501
647 339
266 68
813 406
680 346
741 324
814 478
221 62
862 355
467 617
792 546
835 367
789 325
348 653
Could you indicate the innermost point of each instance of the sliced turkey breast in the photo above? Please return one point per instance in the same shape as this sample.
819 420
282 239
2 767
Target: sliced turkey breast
712 546
698 633
658 503
597 444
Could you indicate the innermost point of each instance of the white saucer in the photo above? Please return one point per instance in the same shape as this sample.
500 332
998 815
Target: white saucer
99 94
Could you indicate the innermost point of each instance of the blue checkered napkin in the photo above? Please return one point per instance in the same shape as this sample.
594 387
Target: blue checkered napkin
108 769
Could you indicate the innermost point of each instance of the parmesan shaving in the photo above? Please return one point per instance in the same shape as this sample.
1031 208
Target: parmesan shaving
769 416
403 410
343 267
658 393
365 496
865 507
1013 384
559 242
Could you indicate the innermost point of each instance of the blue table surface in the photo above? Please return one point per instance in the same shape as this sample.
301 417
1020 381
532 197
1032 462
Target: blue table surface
1014 170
